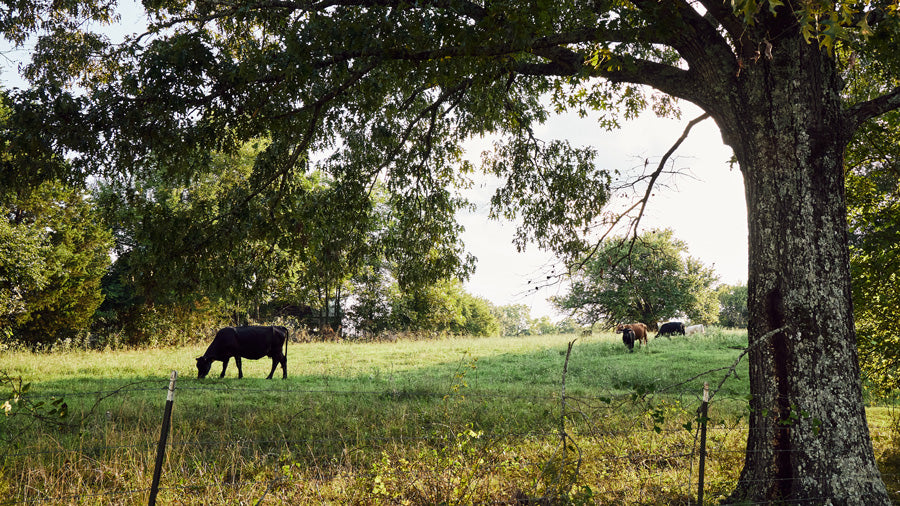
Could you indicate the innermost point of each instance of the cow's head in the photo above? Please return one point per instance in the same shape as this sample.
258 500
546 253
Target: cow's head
203 365
619 328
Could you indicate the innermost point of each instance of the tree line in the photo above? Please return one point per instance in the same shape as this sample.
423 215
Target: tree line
60 282
105 261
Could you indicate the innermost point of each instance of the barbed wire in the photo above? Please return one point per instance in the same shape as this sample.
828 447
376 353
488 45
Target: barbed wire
612 400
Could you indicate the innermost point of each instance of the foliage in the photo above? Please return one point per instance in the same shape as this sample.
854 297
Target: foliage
514 319
479 319
329 239
176 242
22 271
537 195
873 198
543 326
32 148
18 403
443 307
26 17
171 242
732 305
67 255
648 280
570 325
372 299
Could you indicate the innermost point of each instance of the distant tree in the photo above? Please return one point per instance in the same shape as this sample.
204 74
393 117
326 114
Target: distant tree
543 326
371 297
705 306
648 280
515 319
171 237
378 305
732 305
329 240
431 309
61 288
569 326
22 271
480 320
119 297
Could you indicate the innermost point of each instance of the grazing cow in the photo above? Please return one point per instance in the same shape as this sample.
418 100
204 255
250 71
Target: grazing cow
670 328
245 342
628 338
639 329
695 329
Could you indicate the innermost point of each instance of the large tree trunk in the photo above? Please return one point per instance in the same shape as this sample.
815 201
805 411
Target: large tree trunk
808 440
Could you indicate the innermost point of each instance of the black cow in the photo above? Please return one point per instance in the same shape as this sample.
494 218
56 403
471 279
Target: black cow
670 328
245 342
628 338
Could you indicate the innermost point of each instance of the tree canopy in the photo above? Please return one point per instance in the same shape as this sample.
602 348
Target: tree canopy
649 280
732 305
51 267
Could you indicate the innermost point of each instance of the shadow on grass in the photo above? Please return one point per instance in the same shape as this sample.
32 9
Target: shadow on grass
506 393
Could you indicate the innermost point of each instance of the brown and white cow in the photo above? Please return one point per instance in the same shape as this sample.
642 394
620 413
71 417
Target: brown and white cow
639 329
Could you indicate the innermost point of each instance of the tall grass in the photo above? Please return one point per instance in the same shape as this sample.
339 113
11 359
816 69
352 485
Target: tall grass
453 421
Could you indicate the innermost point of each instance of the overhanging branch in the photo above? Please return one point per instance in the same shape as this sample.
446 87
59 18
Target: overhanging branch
864 111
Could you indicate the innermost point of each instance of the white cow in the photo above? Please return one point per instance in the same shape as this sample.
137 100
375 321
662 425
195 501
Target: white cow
694 329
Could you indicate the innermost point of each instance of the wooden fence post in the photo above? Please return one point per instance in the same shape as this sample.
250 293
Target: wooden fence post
704 411
163 437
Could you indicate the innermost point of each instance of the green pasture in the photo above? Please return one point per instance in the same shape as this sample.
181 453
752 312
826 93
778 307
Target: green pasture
453 421
532 364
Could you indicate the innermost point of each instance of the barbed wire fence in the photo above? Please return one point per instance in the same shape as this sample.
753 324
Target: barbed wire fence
586 462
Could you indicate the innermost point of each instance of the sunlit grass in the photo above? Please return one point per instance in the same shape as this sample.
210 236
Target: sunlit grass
456 421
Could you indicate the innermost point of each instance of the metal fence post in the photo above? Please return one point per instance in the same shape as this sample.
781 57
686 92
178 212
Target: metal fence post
704 411
163 437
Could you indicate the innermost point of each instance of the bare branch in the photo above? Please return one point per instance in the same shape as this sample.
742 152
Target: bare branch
643 202
611 225
662 164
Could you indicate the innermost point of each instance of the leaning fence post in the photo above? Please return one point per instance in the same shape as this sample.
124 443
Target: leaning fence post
704 411
164 435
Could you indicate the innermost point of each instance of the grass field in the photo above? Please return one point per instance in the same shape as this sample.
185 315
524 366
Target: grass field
453 421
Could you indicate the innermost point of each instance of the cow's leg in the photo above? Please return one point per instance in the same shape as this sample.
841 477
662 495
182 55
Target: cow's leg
237 360
284 367
274 365
224 366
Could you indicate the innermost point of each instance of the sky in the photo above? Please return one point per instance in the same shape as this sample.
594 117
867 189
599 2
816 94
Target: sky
704 205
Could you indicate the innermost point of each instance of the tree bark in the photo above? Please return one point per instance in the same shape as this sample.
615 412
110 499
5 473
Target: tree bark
808 440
